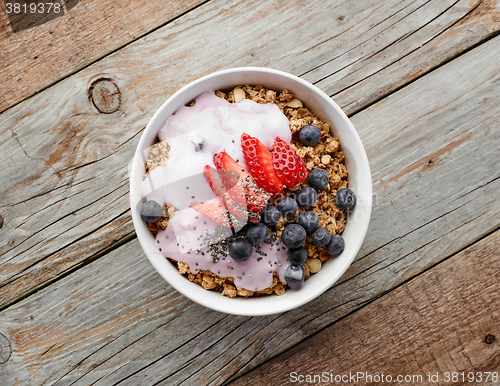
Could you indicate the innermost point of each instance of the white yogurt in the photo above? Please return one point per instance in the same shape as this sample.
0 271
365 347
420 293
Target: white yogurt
194 135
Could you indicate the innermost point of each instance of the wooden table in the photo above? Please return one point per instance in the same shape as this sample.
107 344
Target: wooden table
80 303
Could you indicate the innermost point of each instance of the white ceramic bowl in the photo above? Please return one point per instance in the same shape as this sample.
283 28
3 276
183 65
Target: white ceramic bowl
359 180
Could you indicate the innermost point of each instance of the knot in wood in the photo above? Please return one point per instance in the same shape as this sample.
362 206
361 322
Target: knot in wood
5 349
2 221
489 339
105 95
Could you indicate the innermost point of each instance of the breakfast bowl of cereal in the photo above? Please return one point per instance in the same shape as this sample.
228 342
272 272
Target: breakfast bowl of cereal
250 191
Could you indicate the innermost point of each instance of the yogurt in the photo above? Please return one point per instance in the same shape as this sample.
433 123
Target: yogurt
194 135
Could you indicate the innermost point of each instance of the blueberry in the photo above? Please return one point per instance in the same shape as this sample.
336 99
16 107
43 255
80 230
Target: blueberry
310 135
295 275
256 233
151 211
321 237
240 249
308 220
297 256
270 215
336 245
293 236
198 142
318 178
345 199
287 206
306 197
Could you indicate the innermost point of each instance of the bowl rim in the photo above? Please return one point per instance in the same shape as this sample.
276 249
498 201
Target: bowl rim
252 306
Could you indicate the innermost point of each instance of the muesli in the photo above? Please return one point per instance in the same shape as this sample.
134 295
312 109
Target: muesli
246 191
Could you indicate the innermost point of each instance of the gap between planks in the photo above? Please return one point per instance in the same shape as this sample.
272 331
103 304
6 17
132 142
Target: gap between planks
224 336
71 71
432 69
275 369
131 236
122 241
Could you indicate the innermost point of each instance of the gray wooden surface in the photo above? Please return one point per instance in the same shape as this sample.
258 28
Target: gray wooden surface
81 304
79 157
434 326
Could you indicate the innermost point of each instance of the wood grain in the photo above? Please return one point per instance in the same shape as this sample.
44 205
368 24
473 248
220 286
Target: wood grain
115 320
60 46
433 324
64 189
409 42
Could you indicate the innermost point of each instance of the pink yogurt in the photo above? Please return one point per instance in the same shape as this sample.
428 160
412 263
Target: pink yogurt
194 135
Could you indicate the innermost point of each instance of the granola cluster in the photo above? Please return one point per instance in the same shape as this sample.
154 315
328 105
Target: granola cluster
226 286
158 155
326 154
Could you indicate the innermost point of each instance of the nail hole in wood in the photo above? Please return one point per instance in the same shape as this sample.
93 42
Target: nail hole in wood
489 339
105 95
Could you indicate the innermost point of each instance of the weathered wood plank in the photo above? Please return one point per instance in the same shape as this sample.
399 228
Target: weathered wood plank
390 55
435 323
60 43
115 320
91 311
64 189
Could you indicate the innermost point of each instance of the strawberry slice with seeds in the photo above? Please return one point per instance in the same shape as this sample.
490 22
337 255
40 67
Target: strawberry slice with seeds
260 164
215 211
242 184
289 166
231 199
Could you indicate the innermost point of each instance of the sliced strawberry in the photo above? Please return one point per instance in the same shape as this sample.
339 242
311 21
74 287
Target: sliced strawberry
215 211
260 164
236 205
242 184
289 166
229 170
